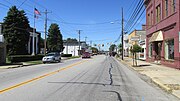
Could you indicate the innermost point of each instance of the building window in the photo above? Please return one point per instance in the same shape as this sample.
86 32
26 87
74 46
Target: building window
152 18
149 21
150 50
169 49
158 13
166 7
173 2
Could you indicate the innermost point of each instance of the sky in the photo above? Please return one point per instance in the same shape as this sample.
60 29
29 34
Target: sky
98 20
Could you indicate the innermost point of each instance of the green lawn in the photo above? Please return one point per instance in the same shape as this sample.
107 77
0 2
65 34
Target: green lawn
33 62
73 57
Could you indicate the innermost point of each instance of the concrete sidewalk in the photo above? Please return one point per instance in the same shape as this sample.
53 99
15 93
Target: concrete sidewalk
165 77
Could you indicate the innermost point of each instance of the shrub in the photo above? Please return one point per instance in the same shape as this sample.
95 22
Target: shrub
24 58
66 55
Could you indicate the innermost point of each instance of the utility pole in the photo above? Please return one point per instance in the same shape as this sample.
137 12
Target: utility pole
85 38
45 30
33 49
79 32
91 43
122 36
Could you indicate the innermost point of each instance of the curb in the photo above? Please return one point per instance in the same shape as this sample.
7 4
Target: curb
162 86
24 65
176 94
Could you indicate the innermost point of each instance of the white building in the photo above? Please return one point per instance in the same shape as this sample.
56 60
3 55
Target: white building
142 54
72 48
36 45
126 45
2 48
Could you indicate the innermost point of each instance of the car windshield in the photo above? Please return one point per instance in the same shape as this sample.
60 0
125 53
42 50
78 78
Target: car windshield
50 54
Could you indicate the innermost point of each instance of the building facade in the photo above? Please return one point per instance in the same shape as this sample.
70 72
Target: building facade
36 47
163 32
73 48
2 48
126 45
135 37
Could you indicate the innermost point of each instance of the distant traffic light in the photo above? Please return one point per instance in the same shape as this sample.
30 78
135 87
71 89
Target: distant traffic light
102 45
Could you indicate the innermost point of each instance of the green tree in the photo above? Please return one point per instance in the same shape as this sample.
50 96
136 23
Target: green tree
41 43
94 49
135 49
15 30
71 40
112 48
54 40
120 48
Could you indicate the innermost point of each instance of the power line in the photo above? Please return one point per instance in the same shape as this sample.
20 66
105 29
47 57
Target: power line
135 14
21 4
136 21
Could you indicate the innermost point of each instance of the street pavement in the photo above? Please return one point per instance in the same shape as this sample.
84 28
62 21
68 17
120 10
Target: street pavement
165 77
100 78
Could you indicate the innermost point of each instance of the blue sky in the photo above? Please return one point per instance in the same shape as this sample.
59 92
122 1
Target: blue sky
93 17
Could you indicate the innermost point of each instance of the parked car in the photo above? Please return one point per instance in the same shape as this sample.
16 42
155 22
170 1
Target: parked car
86 55
52 57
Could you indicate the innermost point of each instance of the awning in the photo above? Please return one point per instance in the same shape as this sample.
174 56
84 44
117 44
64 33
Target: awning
157 36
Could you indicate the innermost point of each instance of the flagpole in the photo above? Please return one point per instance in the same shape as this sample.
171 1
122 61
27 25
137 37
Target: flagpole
33 53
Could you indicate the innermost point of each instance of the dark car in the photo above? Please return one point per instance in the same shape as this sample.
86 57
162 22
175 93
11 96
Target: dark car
86 55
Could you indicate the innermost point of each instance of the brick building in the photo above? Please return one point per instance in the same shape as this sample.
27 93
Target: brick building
163 32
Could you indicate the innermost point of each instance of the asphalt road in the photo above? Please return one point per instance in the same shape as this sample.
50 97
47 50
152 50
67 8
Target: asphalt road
101 78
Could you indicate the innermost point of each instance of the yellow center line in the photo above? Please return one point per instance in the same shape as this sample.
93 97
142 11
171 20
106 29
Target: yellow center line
38 78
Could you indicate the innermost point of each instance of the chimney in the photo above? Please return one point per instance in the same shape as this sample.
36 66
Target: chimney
143 27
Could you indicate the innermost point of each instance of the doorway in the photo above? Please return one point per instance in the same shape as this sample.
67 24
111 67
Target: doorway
157 49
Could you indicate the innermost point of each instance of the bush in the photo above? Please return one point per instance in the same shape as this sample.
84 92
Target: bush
66 55
24 58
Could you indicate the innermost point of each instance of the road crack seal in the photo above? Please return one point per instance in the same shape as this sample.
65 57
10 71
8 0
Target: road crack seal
110 69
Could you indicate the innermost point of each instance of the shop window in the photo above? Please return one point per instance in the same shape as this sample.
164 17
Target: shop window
169 49
150 50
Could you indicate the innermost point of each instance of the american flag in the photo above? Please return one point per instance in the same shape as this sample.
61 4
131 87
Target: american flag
36 11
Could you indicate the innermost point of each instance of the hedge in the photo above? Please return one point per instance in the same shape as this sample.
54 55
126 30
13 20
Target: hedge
24 58
66 55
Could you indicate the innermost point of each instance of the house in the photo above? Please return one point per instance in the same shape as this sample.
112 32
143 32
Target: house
2 48
36 47
142 54
163 32
126 45
135 37
73 47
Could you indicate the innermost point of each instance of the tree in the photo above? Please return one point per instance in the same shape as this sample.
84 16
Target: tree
120 48
54 40
94 50
136 48
15 30
71 40
112 48
41 43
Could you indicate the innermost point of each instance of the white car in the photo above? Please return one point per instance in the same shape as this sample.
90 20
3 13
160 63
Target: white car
52 57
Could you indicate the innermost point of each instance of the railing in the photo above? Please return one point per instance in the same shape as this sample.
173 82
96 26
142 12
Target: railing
1 38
